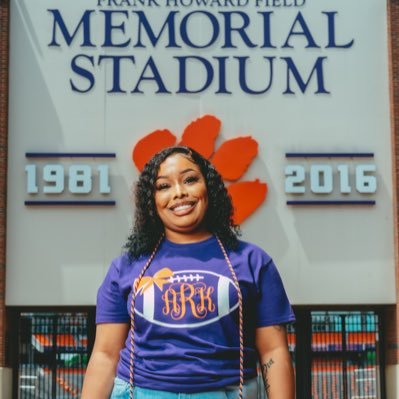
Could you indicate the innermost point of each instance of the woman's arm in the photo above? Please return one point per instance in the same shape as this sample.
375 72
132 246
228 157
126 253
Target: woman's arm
276 363
101 370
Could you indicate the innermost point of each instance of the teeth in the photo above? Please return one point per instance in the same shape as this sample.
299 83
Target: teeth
181 207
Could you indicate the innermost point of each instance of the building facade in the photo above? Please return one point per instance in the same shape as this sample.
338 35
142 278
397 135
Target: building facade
301 100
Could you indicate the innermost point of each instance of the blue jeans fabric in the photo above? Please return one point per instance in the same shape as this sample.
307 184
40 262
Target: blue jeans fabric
121 391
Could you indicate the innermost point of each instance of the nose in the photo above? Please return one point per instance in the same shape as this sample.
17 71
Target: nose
180 191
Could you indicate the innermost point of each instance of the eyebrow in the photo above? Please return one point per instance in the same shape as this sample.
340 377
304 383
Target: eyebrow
182 173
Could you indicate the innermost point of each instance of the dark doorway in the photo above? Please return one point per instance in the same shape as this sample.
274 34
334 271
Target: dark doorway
51 353
339 355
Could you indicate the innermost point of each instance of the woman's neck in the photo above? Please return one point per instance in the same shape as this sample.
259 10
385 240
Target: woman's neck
182 238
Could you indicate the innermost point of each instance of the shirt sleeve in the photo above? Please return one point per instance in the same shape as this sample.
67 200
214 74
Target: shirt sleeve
273 306
111 303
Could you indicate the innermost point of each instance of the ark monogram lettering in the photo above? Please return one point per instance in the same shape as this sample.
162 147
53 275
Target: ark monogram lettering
178 298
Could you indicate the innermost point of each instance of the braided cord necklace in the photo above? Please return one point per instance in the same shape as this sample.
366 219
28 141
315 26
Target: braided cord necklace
240 316
132 307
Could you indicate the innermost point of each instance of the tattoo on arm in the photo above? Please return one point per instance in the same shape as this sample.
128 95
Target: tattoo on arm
265 369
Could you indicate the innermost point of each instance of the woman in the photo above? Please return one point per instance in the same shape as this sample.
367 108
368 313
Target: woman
206 306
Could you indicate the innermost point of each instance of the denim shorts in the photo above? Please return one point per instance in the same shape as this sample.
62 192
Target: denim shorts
121 391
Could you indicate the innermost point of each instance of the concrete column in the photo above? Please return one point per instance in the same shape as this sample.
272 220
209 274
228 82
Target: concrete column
5 383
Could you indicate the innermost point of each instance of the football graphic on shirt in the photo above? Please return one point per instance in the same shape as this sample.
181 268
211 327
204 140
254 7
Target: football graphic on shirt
186 298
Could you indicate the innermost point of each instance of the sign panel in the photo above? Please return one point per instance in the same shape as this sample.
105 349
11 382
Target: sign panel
288 98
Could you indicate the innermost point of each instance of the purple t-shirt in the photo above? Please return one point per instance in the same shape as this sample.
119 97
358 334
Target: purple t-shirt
186 314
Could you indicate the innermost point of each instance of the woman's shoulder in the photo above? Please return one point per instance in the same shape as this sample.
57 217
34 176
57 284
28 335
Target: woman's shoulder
123 263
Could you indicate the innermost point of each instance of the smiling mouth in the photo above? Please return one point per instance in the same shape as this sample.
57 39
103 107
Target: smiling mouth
183 208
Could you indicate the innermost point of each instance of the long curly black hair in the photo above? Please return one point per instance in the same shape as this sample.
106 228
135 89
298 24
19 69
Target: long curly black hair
148 227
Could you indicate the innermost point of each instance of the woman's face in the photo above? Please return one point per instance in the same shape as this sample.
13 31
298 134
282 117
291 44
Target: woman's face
181 199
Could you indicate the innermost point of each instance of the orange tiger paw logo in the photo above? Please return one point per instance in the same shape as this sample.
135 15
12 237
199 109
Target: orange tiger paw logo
231 159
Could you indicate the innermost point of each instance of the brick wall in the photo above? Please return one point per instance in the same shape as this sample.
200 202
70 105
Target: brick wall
392 313
4 47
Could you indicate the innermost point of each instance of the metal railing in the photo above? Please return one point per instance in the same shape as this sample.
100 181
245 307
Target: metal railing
345 352
53 354
338 353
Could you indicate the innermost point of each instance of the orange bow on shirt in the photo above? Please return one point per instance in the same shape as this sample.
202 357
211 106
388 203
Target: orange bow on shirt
160 278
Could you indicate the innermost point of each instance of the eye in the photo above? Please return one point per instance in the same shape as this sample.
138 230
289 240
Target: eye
191 179
162 186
